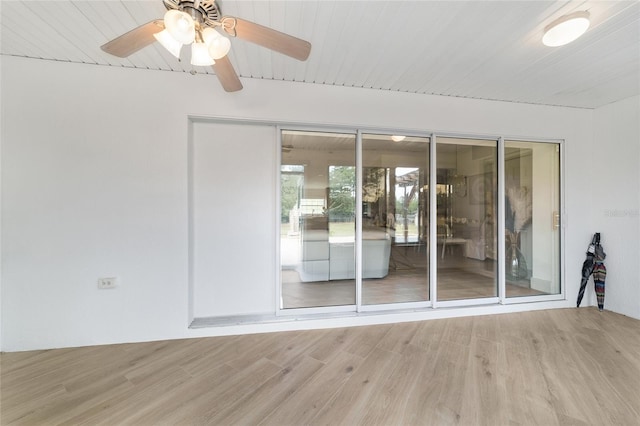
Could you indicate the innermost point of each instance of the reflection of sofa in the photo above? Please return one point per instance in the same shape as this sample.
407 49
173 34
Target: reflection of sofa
335 259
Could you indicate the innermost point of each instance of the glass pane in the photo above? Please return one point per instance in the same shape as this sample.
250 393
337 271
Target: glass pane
395 222
317 193
532 221
466 218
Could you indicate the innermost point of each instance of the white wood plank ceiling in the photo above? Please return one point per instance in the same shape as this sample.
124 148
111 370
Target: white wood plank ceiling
470 49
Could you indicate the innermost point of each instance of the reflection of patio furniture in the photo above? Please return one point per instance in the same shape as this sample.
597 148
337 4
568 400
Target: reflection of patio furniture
315 248
451 242
446 238
340 262
475 249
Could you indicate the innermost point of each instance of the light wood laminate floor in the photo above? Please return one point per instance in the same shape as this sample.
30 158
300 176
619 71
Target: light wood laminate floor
556 367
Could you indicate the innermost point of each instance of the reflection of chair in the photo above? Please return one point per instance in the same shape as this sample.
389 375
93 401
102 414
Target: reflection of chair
445 237
443 233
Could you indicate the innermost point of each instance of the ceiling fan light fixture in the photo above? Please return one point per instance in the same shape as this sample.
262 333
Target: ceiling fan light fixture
218 45
200 55
397 138
180 25
566 29
209 34
187 21
169 43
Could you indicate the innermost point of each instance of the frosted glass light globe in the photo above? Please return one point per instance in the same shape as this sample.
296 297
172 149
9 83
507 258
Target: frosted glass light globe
180 25
169 43
218 45
200 55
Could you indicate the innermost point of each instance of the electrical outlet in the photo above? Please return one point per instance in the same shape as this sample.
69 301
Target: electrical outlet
105 283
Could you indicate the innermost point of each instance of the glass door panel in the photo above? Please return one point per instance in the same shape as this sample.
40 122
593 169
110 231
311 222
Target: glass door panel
395 219
317 195
532 219
466 194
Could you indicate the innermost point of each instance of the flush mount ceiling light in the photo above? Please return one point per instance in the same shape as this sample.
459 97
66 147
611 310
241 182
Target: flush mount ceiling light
200 24
566 29
397 138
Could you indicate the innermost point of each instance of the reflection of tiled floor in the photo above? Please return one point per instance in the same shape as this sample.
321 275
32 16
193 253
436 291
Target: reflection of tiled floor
458 278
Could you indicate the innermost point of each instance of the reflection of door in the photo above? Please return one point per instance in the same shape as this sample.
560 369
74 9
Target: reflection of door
407 183
489 230
291 187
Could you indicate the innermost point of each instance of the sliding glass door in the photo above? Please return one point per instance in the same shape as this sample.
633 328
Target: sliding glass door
466 194
317 222
532 218
395 219
357 230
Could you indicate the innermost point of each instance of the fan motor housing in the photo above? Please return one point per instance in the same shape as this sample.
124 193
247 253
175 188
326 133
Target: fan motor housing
207 10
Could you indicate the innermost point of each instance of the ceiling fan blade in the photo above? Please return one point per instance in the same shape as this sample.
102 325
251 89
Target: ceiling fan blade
227 75
268 37
134 40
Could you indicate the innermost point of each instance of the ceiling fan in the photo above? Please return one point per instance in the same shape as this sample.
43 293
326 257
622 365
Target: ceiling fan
199 23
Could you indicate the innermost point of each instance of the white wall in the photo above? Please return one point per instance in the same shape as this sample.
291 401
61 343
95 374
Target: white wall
95 183
233 215
614 201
